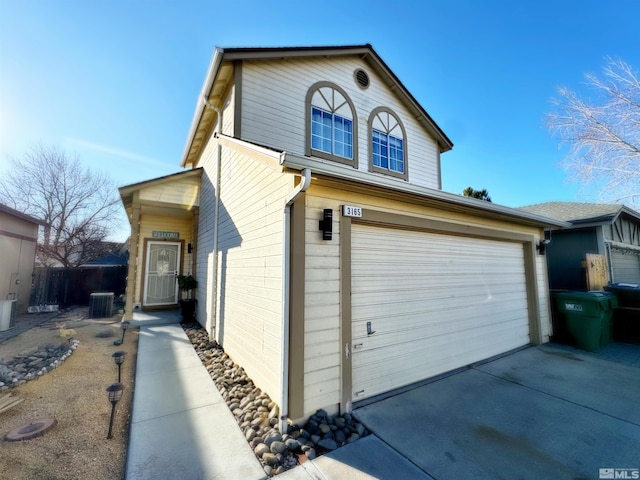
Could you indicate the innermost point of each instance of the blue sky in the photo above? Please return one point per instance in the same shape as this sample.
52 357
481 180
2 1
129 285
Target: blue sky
116 82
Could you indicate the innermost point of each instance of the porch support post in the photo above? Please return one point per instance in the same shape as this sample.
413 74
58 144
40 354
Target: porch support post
132 269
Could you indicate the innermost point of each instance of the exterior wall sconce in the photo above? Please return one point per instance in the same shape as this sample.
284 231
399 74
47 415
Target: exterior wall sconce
541 246
326 224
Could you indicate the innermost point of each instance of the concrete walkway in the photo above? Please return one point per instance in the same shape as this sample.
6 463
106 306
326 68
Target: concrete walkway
182 429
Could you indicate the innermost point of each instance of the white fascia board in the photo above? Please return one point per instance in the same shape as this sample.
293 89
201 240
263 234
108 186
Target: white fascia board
214 66
332 169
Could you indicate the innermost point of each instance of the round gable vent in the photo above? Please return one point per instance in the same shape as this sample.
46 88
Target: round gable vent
362 78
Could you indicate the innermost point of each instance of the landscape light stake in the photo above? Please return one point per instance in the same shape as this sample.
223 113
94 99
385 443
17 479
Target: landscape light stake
114 392
118 357
124 325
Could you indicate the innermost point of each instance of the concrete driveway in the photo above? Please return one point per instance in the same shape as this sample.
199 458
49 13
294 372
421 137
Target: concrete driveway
543 412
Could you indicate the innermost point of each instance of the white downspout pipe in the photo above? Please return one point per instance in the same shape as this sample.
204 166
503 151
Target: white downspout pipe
286 280
214 267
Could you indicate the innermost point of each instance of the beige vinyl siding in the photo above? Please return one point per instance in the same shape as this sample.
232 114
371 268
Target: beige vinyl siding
322 310
228 112
205 314
273 110
150 223
322 381
179 192
250 247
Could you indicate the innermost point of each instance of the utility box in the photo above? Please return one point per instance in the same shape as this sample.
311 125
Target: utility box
7 314
101 305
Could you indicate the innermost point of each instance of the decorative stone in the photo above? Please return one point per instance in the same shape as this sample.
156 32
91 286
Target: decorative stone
269 459
278 447
353 437
261 450
328 444
292 444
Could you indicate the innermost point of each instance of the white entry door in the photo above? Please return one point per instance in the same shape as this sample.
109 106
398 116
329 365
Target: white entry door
163 264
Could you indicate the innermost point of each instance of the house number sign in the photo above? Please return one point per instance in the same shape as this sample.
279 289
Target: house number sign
351 211
158 234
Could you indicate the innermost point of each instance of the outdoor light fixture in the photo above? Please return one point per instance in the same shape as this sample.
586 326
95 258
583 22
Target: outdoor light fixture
541 246
123 325
114 392
326 224
118 357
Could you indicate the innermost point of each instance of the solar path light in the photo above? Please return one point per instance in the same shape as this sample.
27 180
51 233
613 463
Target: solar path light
114 392
118 357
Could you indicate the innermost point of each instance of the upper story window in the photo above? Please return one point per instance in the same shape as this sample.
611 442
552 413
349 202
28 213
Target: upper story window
388 144
331 124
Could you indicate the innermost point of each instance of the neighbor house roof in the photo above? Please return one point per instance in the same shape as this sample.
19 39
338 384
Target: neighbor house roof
220 74
581 213
23 216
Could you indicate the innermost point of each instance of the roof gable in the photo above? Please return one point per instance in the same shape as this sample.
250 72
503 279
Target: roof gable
220 75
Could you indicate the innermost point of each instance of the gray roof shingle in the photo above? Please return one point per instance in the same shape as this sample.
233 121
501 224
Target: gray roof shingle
575 211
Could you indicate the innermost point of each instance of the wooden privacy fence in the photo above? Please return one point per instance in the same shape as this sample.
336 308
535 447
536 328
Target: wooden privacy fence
73 286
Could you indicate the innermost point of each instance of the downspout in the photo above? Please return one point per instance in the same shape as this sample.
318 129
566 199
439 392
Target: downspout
214 267
286 279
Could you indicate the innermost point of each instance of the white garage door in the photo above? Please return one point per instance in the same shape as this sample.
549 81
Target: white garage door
435 302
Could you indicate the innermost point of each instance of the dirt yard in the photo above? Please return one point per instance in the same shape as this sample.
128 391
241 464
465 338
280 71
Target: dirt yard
74 394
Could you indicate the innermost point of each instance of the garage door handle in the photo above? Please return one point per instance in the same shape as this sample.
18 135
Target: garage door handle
369 331
359 392
357 345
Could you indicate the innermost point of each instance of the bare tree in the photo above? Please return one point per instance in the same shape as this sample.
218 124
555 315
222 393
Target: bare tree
77 204
479 194
603 134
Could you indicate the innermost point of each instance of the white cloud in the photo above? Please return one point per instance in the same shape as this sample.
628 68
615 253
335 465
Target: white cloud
117 152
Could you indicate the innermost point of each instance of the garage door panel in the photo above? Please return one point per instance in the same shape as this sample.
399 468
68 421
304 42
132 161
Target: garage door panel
378 372
414 331
436 302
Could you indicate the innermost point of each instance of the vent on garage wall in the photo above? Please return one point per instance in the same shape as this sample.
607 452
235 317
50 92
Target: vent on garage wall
362 78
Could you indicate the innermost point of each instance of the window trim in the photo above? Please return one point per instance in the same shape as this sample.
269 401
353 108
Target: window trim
385 171
309 151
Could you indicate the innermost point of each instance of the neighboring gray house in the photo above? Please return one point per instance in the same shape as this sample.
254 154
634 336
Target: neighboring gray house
606 229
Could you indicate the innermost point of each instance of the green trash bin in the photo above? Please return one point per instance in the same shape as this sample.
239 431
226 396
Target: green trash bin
587 316
626 318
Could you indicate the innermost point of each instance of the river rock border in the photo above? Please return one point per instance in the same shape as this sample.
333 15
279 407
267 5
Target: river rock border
32 364
257 415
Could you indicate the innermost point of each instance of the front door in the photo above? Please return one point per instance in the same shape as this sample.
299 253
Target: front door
163 265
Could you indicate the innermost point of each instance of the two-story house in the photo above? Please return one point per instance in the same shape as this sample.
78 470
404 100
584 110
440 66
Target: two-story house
331 265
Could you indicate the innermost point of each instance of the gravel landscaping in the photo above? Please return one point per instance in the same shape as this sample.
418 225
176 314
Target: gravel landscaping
257 415
71 392
33 363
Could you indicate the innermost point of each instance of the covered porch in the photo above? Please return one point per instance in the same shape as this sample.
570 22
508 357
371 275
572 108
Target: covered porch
163 215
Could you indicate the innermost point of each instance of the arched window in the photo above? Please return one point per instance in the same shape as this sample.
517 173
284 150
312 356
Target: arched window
331 124
388 144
